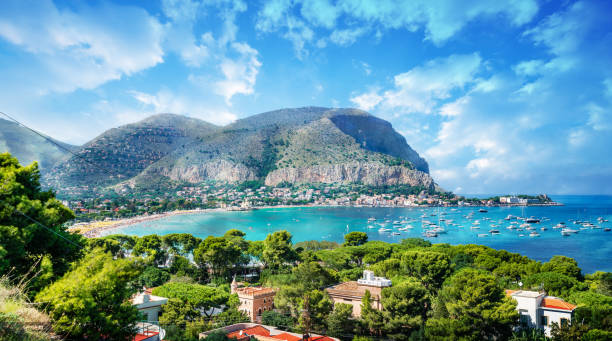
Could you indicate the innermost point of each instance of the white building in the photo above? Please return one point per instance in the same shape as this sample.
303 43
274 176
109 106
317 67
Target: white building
149 305
540 311
370 279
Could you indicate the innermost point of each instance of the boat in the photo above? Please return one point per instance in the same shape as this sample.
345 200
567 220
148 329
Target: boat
524 225
396 222
494 231
509 217
534 234
429 234
483 235
371 226
396 233
532 220
544 228
371 219
382 229
559 226
482 210
566 231
607 229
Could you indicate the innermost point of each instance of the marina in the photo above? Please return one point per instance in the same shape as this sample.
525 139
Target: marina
574 229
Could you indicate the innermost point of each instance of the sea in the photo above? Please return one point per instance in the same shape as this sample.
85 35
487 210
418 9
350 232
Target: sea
591 247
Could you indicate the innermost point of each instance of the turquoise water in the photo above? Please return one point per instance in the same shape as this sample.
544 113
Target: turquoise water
592 248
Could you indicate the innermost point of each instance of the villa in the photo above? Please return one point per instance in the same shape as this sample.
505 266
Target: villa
149 306
254 301
246 331
540 311
352 292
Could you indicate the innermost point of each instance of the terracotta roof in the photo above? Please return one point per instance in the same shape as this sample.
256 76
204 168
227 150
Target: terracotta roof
286 337
353 288
256 330
509 292
556 303
252 291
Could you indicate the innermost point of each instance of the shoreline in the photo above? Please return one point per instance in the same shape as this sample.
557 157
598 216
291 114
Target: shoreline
94 229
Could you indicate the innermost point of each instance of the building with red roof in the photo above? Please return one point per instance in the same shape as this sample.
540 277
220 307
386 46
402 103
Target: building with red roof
244 332
537 310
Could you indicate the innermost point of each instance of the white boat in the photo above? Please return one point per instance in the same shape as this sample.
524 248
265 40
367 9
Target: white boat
566 231
382 229
371 226
396 233
494 231
483 235
525 225
429 234
534 234
371 219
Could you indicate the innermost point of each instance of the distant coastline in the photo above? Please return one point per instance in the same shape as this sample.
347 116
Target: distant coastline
94 229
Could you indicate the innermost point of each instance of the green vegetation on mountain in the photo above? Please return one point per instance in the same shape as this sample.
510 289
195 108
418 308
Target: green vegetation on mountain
28 147
322 145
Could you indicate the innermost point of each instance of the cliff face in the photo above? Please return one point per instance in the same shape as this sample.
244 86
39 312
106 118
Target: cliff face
368 173
218 170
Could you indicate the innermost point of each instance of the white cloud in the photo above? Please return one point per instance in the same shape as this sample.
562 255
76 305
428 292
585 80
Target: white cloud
367 101
240 74
166 101
346 37
421 88
440 20
85 47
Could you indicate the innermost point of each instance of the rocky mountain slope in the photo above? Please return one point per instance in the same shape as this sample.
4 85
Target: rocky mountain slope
299 145
124 152
28 147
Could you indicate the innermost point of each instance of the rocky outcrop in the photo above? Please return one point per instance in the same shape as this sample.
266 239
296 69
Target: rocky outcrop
368 173
219 170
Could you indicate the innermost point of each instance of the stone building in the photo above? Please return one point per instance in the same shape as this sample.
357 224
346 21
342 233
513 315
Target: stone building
254 301
352 292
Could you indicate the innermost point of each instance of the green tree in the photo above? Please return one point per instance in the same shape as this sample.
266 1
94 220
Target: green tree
181 244
218 254
319 307
472 306
432 268
312 275
152 277
355 239
278 251
563 265
92 300
152 249
199 296
554 283
23 242
340 322
371 319
276 319
405 309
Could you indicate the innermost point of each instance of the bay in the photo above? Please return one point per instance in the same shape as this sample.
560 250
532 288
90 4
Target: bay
592 248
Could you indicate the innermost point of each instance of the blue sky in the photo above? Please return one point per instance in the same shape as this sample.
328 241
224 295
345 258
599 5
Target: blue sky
499 96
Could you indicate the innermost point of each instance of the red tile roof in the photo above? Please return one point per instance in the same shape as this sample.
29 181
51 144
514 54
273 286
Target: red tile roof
286 337
144 336
256 330
556 303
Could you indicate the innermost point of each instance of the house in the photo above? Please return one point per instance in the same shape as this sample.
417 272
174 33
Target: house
244 332
149 305
537 310
254 301
352 292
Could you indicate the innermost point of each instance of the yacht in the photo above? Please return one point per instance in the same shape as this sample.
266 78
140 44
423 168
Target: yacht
566 230
482 210
382 229
532 220
544 228
534 234
396 233
429 234
494 231
483 235
509 217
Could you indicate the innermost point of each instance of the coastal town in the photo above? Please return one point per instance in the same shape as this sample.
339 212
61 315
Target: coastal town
234 198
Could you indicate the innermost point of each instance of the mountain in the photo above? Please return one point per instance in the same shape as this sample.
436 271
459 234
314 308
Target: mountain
28 147
122 153
300 145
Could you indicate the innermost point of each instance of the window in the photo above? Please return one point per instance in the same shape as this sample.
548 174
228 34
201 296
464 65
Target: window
564 322
544 320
